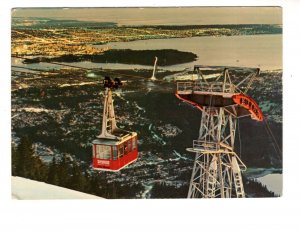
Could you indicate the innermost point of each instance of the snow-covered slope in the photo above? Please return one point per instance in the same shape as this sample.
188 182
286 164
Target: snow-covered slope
25 189
273 182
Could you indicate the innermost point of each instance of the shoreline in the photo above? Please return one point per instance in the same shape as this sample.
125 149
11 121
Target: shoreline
166 57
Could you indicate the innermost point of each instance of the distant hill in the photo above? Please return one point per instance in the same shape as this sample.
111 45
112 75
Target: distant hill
48 23
25 189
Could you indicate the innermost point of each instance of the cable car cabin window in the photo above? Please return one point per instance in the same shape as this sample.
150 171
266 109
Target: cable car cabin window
103 152
115 152
129 144
133 143
121 150
125 148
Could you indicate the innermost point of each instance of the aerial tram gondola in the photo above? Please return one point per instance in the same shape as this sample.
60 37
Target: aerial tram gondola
114 148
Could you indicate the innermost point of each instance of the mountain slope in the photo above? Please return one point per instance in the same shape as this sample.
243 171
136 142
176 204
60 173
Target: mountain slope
25 189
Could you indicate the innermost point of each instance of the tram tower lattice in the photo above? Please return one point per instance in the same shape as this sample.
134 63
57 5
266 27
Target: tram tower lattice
217 167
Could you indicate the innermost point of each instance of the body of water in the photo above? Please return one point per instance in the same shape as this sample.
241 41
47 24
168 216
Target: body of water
263 51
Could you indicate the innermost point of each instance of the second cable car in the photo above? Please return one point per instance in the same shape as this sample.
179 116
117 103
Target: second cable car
114 148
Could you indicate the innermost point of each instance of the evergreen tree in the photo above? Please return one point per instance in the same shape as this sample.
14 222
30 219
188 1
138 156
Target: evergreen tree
39 169
63 172
77 180
24 158
114 191
87 182
26 163
94 185
14 163
52 174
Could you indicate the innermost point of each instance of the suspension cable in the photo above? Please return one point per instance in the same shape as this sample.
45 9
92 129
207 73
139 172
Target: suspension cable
276 147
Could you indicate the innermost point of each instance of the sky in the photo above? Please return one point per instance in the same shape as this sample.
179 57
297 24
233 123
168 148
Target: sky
159 15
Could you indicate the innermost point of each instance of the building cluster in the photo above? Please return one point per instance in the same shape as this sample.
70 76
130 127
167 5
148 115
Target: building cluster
78 41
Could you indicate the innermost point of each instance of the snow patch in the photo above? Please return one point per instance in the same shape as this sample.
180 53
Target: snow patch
273 182
77 84
139 108
147 193
25 189
32 109
179 155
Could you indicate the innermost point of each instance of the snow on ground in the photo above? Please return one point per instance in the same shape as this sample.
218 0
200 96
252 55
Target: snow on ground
32 109
78 84
25 189
273 182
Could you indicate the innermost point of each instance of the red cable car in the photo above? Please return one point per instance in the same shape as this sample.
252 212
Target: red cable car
114 148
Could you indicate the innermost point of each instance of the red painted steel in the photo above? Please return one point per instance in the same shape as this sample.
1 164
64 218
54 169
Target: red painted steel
248 103
190 102
240 99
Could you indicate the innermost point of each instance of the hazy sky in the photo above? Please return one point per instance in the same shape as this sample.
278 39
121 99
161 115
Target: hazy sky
155 16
